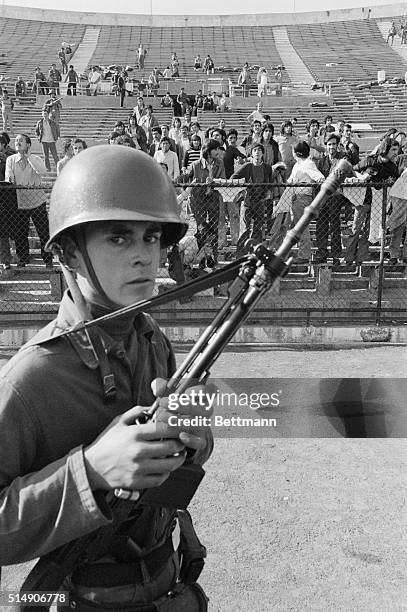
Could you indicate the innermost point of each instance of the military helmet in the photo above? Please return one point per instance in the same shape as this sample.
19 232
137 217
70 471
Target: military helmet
114 183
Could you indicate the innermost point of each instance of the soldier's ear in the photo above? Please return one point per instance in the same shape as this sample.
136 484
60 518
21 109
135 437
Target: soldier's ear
69 252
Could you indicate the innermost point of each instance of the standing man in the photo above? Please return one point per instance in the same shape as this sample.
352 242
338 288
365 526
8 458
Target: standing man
94 79
244 80
368 215
47 132
253 138
54 78
156 142
167 157
26 170
329 220
165 133
40 86
256 199
256 115
315 142
8 211
327 128
121 87
141 55
62 60
147 122
205 200
209 65
183 100
7 106
348 146
54 107
68 154
72 79
68 406
20 88
286 142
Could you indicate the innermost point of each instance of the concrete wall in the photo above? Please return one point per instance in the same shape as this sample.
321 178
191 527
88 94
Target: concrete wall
17 12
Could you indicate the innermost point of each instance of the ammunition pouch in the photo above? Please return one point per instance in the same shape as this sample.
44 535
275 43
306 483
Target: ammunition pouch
192 552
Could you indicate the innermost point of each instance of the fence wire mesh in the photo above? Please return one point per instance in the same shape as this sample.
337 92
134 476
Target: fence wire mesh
352 258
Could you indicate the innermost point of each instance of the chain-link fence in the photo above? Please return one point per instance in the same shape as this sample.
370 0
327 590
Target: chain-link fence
351 259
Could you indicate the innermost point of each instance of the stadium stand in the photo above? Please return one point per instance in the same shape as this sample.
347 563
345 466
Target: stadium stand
230 47
352 50
343 57
26 44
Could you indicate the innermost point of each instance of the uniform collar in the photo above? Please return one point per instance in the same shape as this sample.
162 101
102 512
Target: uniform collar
68 317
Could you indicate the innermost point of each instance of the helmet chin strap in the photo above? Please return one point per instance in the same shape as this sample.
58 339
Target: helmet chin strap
81 240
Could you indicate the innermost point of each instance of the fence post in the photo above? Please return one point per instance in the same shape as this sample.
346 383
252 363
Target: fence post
381 261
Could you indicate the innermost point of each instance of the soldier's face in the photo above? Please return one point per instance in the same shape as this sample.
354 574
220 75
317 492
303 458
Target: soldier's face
125 256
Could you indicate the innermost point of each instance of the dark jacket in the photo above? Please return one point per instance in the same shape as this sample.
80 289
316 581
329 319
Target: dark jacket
39 129
51 407
378 170
255 193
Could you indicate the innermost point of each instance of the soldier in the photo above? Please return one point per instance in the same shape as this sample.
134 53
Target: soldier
68 405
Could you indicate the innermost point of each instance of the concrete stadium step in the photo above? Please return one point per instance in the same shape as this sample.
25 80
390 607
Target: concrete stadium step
384 27
85 50
296 69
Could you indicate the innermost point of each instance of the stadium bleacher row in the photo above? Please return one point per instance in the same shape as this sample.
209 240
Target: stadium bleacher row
342 54
353 50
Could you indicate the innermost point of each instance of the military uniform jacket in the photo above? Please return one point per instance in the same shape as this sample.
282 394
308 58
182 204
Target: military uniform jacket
51 407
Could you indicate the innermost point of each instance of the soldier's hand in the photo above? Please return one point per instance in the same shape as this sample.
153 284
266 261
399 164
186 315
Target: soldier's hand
133 456
188 416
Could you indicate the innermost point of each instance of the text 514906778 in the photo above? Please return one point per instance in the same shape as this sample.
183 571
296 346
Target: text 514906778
33 598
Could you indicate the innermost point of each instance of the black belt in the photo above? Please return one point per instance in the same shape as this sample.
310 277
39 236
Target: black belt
118 574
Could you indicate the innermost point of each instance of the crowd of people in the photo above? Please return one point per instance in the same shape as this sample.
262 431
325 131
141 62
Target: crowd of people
350 221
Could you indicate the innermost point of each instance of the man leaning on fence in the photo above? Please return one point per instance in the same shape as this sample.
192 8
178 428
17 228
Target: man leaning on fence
368 216
8 208
258 197
26 170
329 218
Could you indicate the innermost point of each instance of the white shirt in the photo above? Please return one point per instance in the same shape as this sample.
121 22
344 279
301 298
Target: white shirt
171 160
255 116
27 176
305 171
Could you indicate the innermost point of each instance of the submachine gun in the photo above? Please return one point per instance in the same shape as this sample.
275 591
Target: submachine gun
256 274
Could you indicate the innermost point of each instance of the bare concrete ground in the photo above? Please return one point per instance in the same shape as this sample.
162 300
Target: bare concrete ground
305 525
302 525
